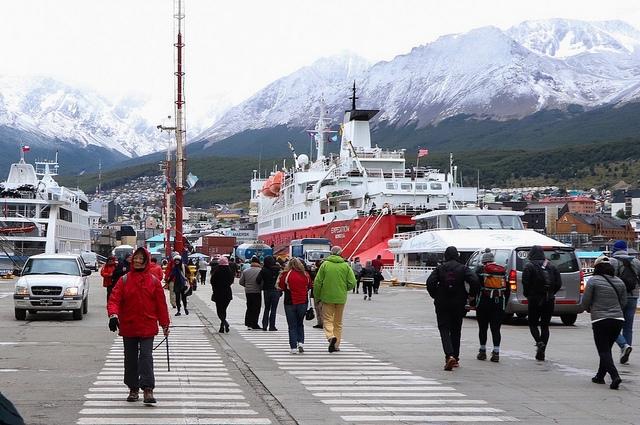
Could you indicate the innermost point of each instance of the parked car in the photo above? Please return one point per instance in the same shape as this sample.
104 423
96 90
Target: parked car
90 260
52 282
564 258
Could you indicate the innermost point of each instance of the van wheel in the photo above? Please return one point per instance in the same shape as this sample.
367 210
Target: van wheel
33 311
20 314
85 305
521 315
568 319
77 314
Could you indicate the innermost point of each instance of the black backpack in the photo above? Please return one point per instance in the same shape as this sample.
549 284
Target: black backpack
545 280
628 274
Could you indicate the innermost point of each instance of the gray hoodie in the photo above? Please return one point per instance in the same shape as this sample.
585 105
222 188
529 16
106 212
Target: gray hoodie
617 266
249 279
601 300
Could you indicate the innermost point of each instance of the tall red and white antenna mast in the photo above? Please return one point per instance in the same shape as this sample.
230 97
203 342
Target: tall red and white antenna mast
180 131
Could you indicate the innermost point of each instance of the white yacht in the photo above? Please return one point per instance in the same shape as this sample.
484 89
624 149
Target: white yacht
39 216
468 229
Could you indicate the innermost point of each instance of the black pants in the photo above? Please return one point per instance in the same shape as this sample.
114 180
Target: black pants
540 312
450 327
367 286
181 296
357 288
271 299
254 303
203 276
376 285
109 289
605 333
138 363
221 310
489 313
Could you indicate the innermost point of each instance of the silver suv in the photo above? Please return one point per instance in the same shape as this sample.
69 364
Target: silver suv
52 282
564 258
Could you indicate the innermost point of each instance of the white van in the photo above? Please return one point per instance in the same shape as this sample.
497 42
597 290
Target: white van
90 260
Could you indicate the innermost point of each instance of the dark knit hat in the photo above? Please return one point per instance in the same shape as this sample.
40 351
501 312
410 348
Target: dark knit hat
619 246
487 256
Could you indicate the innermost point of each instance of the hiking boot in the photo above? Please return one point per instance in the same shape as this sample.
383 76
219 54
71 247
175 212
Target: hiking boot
221 330
540 350
597 380
332 344
148 396
450 362
457 362
134 395
482 355
495 357
624 357
615 383
186 311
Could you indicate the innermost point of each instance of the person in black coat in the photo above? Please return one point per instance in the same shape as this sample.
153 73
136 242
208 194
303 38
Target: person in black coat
446 285
540 282
222 278
268 277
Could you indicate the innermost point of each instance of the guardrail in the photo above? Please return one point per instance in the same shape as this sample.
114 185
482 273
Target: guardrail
416 275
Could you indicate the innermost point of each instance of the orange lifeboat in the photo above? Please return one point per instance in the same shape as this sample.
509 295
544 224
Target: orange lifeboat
276 183
265 187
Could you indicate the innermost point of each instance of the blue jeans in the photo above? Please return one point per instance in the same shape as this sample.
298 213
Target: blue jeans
271 299
628 312
295 319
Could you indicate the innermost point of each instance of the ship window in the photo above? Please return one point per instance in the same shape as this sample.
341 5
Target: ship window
392 186
436 186
420 187
343 205
405 186
489 222
466 222
65 215
511 222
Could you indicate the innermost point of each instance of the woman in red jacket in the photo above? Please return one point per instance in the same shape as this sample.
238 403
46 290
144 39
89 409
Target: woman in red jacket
296 283
136 306
107 274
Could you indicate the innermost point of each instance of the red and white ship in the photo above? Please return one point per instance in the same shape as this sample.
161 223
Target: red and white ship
358 199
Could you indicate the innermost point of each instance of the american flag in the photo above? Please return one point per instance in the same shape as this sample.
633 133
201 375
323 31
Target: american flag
423 152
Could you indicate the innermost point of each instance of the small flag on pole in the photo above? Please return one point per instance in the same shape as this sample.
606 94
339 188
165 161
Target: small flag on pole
26 148
423 152
192 180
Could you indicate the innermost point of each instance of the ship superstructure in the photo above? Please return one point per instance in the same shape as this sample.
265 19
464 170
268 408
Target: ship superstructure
358 198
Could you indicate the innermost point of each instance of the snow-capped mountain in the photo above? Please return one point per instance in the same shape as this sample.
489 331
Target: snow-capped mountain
52 109
486 73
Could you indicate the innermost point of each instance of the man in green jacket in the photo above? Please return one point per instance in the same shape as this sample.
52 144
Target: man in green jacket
334 279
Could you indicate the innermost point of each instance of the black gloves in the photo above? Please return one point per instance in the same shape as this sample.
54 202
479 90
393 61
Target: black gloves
114 324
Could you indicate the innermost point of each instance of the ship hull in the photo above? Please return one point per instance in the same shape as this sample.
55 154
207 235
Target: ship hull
355 236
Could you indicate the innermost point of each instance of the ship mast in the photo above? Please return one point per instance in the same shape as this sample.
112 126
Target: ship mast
180 123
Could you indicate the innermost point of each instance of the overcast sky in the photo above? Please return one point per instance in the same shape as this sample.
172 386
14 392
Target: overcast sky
236 47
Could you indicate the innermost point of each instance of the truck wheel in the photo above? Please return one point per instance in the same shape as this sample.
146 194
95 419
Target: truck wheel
568 319
85 305
21 314
77 314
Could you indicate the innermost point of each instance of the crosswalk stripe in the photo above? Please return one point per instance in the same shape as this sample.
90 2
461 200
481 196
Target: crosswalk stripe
398 394
173 421
124 403
160 411
418 409
121 394
435 418
411 402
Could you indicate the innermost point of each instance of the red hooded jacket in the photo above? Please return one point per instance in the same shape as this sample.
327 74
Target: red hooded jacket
299 285
106 272
139 303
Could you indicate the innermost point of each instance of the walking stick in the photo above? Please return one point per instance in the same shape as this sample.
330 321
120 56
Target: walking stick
168 366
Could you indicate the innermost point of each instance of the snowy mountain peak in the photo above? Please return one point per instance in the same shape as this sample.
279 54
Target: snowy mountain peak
564 38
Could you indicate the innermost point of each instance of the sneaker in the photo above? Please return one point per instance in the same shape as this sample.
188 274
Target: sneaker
148 396
540 350
615 383
624 357
495 357
178 313
186 311
273 330
300 347
482 355
369 298
294 351
449 364
134 395
597 380
332 344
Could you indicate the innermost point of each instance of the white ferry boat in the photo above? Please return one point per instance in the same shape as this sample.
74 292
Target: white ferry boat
39 216
357 199
468 229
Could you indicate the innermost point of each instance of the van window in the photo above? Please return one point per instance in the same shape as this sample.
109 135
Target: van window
564 259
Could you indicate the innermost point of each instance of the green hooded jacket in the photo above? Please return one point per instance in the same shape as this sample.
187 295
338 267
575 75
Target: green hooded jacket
334 279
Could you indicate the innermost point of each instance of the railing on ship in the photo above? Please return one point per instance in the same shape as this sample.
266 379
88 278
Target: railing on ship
416 275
